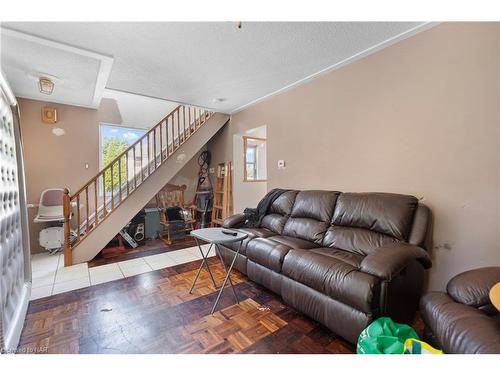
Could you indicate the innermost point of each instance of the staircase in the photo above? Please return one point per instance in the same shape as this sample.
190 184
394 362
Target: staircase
97 211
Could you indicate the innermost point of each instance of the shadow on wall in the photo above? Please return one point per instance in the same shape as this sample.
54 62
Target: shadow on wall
109 112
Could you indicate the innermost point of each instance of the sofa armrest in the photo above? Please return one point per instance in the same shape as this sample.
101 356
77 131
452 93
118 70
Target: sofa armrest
388 261
473 287
234 221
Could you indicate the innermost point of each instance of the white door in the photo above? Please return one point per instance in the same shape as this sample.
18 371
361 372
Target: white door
15 271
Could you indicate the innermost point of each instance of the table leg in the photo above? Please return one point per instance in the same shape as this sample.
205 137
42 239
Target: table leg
217 250
203 262
228 273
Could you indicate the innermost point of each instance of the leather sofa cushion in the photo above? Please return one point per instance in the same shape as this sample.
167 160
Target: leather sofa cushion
345 256
270 252
459 329
284 203
386 213
357 240
311 215
332 277
279 211
252 233
473 287
294 243
267 253
274 222
315 204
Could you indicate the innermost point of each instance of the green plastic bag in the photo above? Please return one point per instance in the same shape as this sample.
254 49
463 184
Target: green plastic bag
383 336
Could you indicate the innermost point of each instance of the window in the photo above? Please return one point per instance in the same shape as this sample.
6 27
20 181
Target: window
113 141
255 159
251 164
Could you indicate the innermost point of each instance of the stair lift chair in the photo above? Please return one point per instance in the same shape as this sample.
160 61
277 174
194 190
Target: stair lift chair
50 210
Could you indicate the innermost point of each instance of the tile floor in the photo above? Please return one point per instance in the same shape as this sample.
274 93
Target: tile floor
50 277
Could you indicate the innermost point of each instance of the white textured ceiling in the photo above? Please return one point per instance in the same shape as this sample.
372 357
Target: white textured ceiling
196 62
79 75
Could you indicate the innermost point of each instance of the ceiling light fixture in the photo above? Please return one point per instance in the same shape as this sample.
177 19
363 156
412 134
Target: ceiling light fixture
46 85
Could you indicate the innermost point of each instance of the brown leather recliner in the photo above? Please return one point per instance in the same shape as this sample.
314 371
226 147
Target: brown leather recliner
463 320
343 259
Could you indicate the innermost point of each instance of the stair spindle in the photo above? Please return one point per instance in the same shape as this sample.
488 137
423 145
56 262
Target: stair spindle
172 135
119 181
133 168
96 206
142 167
67 230
161 142
189 120
154 147
148 156
184 123
112 186
104 210
87 209
78 217
178 128
127 171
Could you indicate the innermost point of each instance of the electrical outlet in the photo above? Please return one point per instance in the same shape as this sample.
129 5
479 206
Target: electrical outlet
211 170
281 164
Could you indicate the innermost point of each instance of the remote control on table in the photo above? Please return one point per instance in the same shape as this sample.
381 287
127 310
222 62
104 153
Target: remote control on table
229 233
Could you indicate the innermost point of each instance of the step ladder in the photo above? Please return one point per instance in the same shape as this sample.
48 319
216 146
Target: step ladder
222 194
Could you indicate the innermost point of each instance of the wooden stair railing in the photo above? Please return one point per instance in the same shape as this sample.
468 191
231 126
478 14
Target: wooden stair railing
86 209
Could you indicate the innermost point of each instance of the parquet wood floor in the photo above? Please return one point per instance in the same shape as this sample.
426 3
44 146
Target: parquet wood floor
154 313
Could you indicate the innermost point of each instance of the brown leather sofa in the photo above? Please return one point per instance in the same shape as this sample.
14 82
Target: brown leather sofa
343 259
463 320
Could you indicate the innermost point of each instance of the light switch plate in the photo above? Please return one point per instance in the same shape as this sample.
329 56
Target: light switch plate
281 164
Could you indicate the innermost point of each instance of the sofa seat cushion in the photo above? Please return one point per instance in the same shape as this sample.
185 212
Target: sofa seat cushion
345 256
267 253
293 243
252 233
270 252
333 277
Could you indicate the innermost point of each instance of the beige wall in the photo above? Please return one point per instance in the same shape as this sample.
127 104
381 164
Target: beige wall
52 161
420 117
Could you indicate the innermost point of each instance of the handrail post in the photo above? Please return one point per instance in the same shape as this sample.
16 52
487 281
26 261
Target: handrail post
67 230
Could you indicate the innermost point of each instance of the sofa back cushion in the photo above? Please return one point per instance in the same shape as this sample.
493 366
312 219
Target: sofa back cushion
279 211
364 221
311 215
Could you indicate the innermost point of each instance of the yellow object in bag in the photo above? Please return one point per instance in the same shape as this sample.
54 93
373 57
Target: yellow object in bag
413 346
